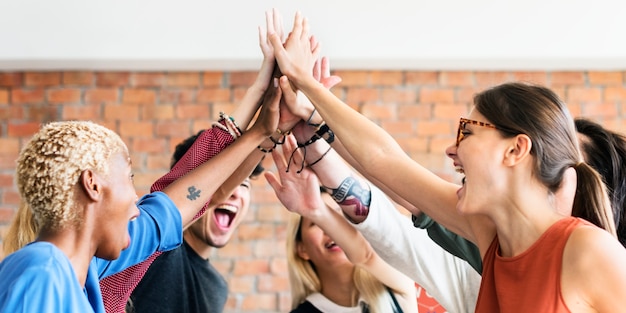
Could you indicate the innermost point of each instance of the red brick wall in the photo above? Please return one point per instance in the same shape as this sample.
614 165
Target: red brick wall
153 111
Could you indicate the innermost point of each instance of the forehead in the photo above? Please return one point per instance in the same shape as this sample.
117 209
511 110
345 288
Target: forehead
475 115
120 159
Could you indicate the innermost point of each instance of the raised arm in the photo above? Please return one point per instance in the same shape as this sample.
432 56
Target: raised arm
378 153
299 192
224 132
191 191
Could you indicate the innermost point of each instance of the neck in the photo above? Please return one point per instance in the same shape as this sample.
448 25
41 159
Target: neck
197 245
338 286
71 242
523 218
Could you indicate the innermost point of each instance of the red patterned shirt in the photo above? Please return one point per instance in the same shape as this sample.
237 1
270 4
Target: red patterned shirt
117 288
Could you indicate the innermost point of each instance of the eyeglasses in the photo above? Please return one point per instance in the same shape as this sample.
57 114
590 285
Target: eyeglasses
464 121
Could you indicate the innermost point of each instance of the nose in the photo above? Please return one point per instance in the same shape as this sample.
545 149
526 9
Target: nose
238 192
451 151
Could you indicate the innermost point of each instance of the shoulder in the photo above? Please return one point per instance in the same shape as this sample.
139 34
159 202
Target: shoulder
36 259
29 274
593 262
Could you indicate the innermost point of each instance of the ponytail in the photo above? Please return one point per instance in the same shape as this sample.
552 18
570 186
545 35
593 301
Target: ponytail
23 230
591 201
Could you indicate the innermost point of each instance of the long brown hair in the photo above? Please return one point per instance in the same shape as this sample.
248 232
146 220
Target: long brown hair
519 108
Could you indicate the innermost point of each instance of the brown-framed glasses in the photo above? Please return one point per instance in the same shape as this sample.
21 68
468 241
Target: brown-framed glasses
464 121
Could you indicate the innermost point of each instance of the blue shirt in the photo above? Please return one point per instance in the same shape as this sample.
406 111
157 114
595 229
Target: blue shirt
40 277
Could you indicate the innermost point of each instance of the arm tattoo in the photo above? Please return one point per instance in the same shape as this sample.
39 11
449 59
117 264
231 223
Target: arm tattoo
351 193
193 193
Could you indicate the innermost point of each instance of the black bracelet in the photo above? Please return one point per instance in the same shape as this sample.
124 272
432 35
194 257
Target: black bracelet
321 157
323 132
308 121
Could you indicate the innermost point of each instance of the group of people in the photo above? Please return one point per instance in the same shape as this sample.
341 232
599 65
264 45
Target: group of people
537 223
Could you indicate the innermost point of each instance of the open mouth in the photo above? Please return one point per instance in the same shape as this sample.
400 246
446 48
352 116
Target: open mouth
330 245
225 215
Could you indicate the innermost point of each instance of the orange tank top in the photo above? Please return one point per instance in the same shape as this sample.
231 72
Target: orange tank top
531 281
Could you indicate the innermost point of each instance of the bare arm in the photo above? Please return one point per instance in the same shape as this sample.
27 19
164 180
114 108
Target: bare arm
194 189
299 192
374 149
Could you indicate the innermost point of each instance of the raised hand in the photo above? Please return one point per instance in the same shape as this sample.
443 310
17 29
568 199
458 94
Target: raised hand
273 25
298 191
321 73
267 121
300 52
297 103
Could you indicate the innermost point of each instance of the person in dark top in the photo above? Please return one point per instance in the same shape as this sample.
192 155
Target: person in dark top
183 279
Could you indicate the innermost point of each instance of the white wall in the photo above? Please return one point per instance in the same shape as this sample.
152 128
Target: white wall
356 34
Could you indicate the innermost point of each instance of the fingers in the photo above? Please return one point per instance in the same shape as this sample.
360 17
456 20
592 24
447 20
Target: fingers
305 28
318 71
273 181
288 93
291 151
297 26
269 22
278 24
325 67
316 46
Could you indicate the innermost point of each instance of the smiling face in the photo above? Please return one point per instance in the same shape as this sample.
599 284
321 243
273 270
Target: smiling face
478 155
117 209
315 246
216 227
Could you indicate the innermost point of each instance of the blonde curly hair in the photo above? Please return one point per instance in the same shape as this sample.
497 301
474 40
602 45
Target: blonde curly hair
49 167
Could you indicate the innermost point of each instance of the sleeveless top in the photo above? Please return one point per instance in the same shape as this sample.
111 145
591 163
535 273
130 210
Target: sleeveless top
531 281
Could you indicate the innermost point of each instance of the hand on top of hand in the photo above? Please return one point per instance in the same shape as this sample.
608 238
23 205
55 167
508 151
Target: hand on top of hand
300 51
274 25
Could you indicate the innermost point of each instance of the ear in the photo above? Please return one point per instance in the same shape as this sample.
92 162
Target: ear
518 150
91 184
302 251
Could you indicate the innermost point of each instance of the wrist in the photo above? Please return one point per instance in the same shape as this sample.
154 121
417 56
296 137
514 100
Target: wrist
267 145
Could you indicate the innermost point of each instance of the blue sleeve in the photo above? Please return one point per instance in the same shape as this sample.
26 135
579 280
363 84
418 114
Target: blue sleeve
158 228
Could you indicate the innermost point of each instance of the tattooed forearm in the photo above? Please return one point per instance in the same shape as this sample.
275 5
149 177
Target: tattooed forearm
351 193
193 193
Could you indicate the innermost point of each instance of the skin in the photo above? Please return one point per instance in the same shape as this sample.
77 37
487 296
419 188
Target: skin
519 214
333 267
207 232
299 192
107 204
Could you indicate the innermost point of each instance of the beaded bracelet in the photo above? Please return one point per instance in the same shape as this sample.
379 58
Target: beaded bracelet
266 150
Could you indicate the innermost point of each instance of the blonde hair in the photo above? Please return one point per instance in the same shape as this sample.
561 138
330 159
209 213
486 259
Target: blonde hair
49 167
304 281
23 230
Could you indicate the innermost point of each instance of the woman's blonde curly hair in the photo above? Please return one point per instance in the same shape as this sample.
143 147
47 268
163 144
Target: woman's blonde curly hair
49 167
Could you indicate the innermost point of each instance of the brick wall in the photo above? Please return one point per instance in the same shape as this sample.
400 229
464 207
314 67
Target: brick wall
153 111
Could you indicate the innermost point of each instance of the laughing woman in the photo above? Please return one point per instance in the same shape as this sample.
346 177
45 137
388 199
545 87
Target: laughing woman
332 268
513 149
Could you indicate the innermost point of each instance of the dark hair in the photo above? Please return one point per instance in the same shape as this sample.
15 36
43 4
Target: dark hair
605 151
536 111
184 146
